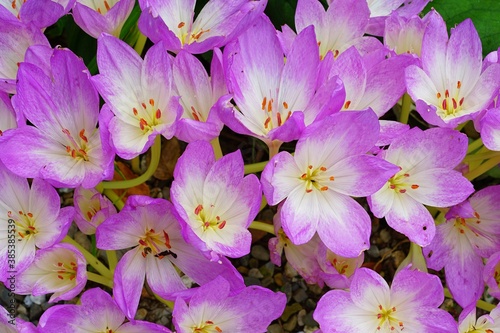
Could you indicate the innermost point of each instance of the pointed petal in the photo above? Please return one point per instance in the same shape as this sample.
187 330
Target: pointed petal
128 281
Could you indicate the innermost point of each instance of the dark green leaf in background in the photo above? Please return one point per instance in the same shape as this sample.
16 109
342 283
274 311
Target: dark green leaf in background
484 13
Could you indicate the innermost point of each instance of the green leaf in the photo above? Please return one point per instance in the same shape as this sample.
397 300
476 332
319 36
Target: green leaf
484 13
281 12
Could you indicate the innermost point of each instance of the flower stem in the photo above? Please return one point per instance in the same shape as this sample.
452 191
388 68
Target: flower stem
274 147
474 145
483 168
170 304
100 279
405 109
135 164
480 303
112 260
139 44
255 167
481 156
262 226
155 160
91 260
216 146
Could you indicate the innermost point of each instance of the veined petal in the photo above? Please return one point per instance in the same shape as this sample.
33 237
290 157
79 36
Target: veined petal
362 175
343 225
462 277
490 130
464 57
369 290
439 187
411 218
280 177
128 281
415 287
341 135
298 80
162 277
309 12
434 46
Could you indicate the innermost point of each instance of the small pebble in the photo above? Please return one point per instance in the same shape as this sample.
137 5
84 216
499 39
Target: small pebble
275 328
141 314
254 272
300 317
290 324
21 310
35 312
290 310
385 235
267 281
259 252
300 296
289 271
373 251
267 269
278 279
251 281
309 320
398 257
243 270
253 263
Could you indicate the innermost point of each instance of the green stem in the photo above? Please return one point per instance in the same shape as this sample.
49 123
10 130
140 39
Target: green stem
483 168
255 167
112 260
269 228
481 156
115 199
480 303
474 145
136 165
274 147
100 279
170 304
405 109
459 127
139 44
216 146
155 160
263 203
91 260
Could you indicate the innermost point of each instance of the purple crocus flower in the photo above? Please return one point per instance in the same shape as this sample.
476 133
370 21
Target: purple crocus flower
39 13
404 35
218 22
15 39
318 181
370 84
139 94
339 27
491 275
97 312
199 94
60 270
451 86
470 233
411 304
337 271
215 202
381 9
64 147
96 17
214 309
150 226
276 100
92 208
426 177
31 218
488 323
490 129
303 258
